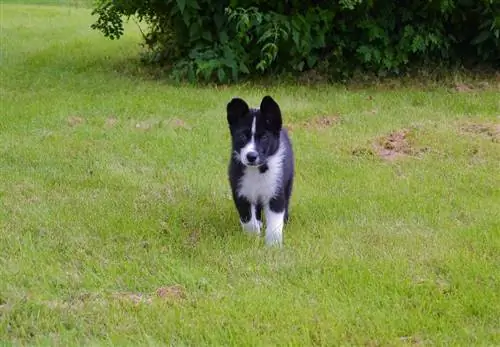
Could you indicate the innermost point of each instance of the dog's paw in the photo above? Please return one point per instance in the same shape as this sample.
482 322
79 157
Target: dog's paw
252 227
274 238
274 241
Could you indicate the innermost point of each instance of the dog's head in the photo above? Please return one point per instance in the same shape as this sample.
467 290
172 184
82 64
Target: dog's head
255 133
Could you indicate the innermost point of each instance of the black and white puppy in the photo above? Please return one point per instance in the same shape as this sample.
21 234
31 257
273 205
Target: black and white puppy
261 168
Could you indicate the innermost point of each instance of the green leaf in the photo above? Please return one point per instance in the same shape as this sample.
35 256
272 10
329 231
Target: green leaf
186 17
319 41
182 5
296 38
223 37
365 52
190 74
244 68
194 32
221 75
483 36
311 60
207 35
235 73
193 4
261 66
266 35
218 20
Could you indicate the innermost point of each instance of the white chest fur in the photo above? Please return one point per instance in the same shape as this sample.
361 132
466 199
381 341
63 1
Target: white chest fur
261 187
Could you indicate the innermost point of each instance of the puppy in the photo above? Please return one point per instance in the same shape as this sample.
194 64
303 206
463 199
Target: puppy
261 168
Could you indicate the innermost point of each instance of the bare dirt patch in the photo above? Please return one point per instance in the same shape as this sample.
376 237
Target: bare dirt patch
168 294
317 123
474 86
312 77
394 145
135 298
489 130
193 239
148 124
371 112
171 293
463 88
175 292
362 152
111 122
174 123
178 123
76 303
75 120
411 340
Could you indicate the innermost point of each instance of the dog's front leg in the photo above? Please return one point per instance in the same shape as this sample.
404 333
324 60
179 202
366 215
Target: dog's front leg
248 216
275 215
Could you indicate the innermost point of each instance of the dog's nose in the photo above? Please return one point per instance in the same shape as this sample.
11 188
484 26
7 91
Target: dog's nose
251 156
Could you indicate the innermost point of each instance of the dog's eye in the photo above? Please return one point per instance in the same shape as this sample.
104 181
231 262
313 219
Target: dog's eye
243 137
263 137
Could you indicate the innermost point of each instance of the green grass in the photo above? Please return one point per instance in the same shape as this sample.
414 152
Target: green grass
113 185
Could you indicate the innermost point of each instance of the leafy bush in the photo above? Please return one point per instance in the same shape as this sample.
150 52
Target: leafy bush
222 40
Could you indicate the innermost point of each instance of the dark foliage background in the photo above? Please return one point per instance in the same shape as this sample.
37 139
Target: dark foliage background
224 40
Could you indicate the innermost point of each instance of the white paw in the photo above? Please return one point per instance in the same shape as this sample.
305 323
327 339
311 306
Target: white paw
274 239
252 227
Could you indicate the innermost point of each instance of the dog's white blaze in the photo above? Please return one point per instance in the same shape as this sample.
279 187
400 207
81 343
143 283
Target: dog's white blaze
253 225
261 187
250 146
274 227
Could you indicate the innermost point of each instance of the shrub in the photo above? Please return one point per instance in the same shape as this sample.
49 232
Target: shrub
223 40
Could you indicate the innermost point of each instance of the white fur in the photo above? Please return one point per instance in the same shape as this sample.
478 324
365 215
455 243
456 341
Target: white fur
254 126
250 146
274 228
261 187
253 225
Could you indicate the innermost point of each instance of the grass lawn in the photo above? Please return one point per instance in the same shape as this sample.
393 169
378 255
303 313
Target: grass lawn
117 226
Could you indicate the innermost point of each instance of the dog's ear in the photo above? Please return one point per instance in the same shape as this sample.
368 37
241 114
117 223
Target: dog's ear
271 113
236 109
